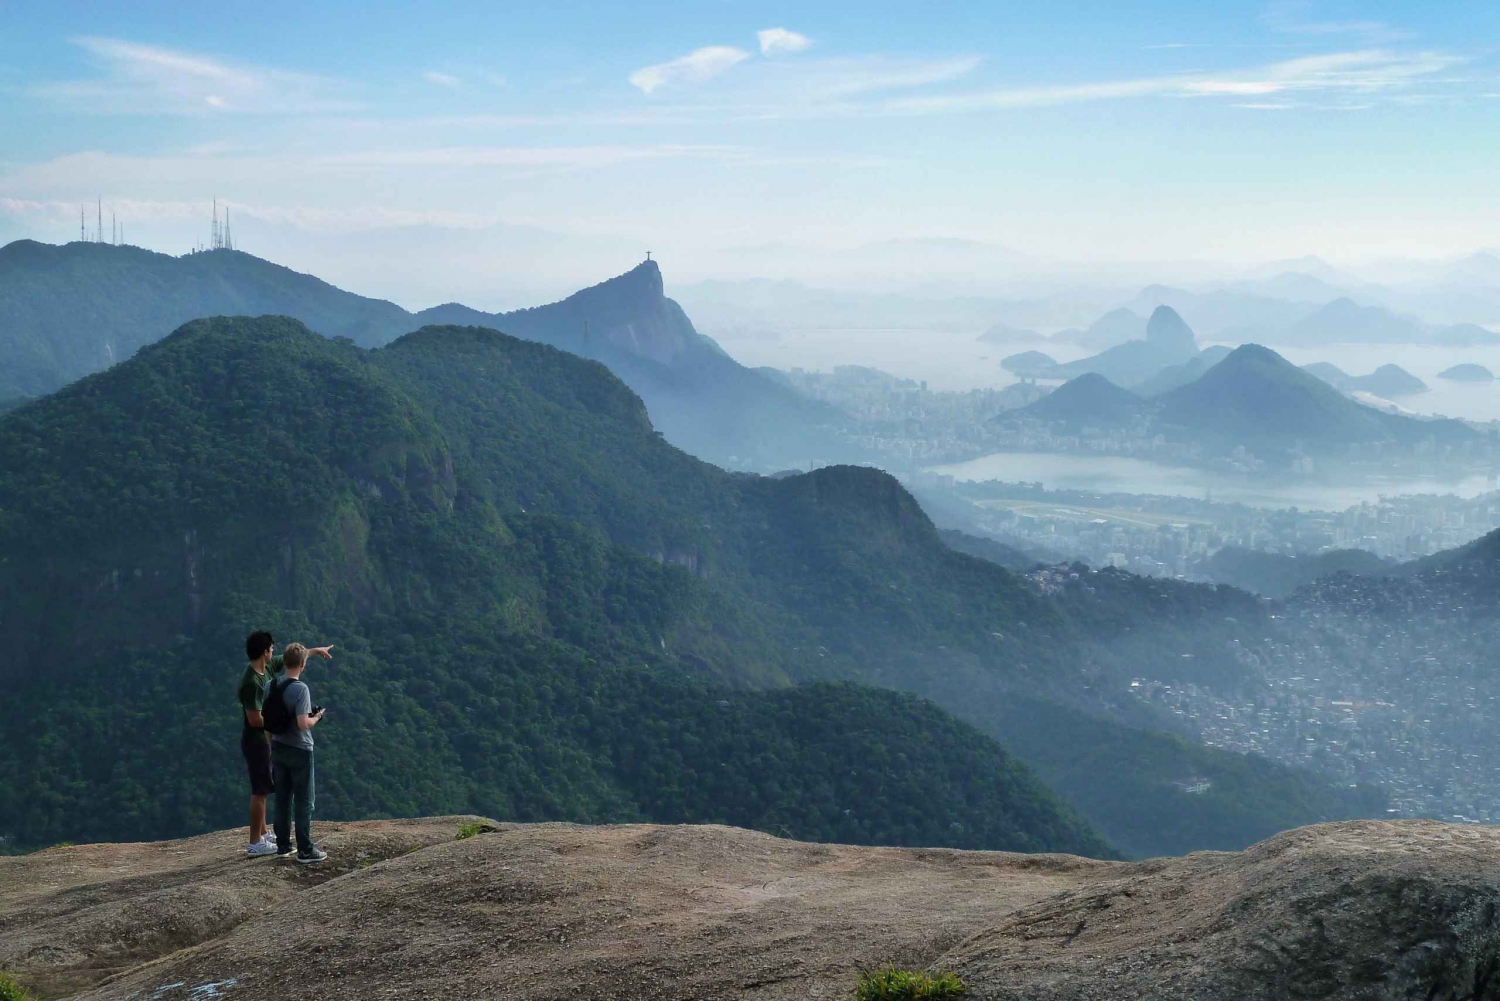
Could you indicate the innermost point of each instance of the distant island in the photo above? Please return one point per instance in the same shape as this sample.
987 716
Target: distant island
1001 333
1028 363
1467 372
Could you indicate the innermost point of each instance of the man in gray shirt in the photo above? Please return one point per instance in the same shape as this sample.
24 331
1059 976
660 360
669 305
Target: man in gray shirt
292 758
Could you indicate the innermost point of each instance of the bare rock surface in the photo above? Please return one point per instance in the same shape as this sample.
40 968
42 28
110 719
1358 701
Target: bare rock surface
1378 910
72 916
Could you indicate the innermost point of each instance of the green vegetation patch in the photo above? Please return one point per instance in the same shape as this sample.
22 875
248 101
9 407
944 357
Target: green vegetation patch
892 984
12 991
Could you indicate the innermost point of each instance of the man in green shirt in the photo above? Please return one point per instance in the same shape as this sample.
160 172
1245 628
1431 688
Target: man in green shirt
255 743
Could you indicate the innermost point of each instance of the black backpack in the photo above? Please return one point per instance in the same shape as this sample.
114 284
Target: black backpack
275 716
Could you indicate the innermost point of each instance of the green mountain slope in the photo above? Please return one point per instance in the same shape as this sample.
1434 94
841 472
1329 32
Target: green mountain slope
989 549
492 660
1277 576
1089 400
1231 795
520 575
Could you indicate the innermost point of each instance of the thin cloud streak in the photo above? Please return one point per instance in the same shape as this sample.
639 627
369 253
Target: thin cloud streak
1367 72
146 79
774 41
1287 19
695 67
442 79
521 156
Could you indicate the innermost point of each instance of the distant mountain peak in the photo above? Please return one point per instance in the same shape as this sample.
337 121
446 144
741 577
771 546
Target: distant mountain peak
1169 330
642 283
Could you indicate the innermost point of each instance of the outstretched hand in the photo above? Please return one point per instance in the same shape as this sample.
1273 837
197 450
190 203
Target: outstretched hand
326 652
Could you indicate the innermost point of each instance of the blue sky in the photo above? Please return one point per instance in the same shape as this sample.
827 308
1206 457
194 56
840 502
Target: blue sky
489 151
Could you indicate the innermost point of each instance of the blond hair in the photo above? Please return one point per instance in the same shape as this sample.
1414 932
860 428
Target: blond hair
294 656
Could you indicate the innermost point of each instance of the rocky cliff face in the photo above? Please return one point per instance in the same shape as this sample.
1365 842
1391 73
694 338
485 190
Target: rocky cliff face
1363 910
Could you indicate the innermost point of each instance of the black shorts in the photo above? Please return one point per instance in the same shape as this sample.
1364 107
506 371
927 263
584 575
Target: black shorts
257 751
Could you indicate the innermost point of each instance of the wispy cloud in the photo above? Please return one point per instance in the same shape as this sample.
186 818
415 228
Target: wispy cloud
442 79
521 156
775 41
147 79
875 74
1368 72
695 67
813 89
1293 19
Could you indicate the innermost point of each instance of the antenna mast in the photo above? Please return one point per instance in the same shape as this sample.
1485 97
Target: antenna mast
81 231
99 221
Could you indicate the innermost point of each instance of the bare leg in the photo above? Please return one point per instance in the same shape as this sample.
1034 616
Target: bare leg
257 818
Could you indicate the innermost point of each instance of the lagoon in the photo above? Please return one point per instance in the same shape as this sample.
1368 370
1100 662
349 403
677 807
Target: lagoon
1118 474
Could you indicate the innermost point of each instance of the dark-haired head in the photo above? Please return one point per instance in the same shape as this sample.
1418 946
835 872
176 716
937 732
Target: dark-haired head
257 644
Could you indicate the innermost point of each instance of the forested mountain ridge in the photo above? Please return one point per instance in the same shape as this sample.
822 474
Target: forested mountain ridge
521 575
67 311
247 472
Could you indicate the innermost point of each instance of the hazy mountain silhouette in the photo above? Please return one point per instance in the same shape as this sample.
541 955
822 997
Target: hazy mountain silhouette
1344 321
1002 333
1329 373
1113 328
701 399
67 311
1388 380
1028 363
1467 372
1465 335
1168 341
1180 375
1223 314
1255 396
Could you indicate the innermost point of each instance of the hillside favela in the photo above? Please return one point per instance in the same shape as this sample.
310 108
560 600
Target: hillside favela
700 501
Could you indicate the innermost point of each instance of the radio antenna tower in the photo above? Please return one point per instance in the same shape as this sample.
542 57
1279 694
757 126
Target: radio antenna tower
81 232
99 221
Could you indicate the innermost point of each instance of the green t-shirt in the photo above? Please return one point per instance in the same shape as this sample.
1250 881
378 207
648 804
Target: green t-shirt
252 692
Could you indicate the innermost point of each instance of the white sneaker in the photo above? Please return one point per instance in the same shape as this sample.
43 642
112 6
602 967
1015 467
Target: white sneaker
260 848
269 838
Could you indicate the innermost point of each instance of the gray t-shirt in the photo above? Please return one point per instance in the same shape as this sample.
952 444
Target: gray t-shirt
298 702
